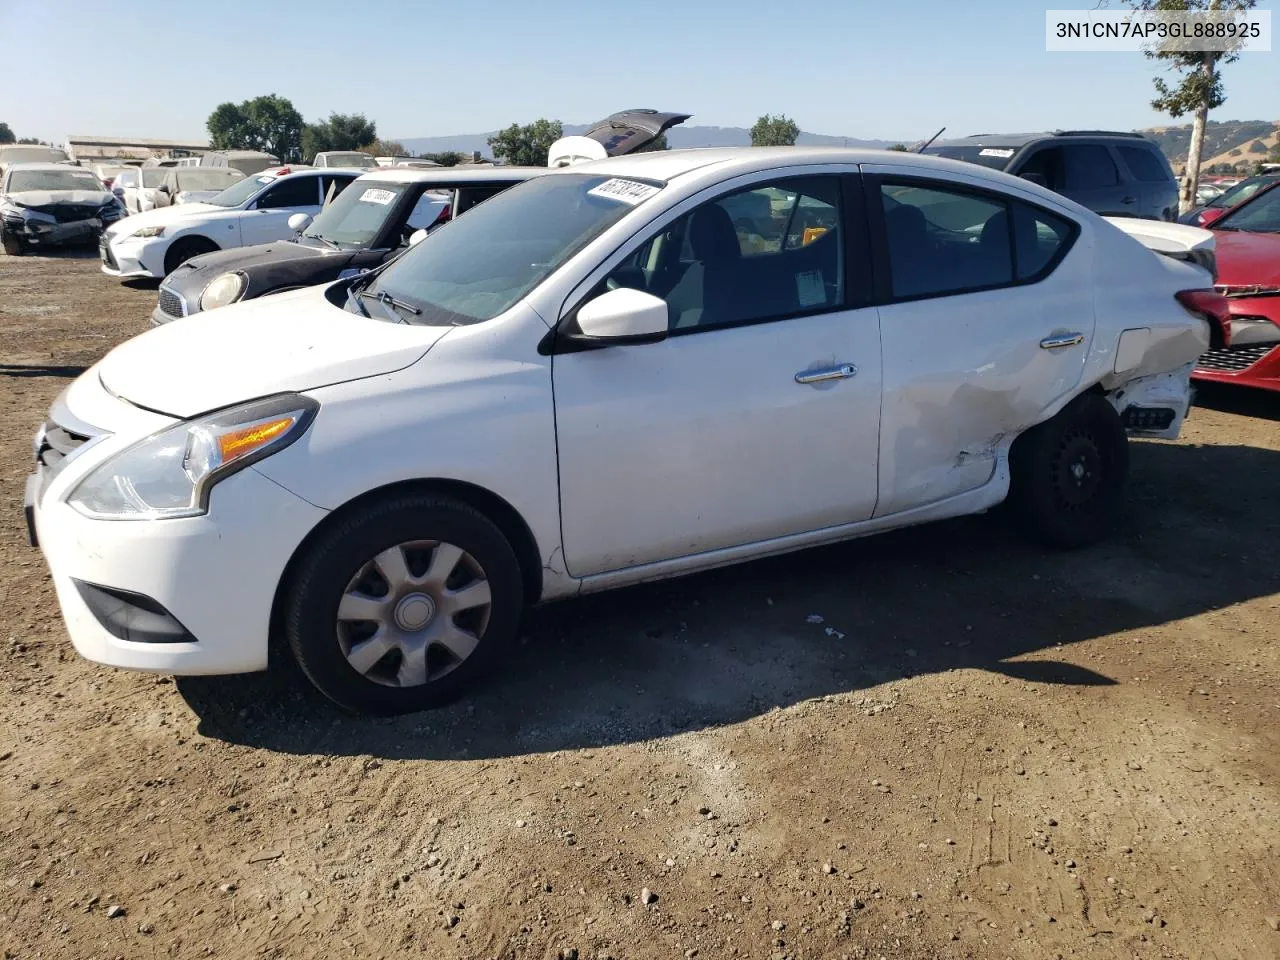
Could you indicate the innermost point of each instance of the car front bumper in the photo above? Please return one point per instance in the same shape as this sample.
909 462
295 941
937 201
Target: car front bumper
213 577
132 256
1253 359
41 233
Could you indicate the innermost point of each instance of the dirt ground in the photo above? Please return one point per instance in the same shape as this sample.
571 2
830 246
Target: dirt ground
983 749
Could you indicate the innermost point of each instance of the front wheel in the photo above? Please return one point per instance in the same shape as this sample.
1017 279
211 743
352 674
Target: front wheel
403 603
1070 474
12 245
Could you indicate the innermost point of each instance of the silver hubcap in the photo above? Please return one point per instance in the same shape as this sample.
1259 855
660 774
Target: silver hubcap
413 613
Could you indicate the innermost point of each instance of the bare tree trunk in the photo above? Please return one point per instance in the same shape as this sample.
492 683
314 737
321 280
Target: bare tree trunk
1191 176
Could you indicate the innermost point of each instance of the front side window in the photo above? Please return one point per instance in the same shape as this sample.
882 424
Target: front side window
946 240
154 176
763 253
294 192
482 264
128 178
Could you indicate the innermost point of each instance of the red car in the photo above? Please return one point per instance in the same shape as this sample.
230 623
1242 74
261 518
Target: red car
1247 245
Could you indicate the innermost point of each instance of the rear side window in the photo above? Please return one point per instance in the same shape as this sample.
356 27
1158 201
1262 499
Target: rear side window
947 240
295 192
337 184
1089 165
1144 164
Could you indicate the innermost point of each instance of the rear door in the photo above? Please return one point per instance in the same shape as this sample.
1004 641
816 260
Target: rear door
986 318
1087 173
1149 172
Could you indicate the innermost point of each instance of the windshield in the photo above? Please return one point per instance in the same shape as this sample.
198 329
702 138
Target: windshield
21 180
1260 216
1241 192
192 178
238 193
483 263
357 214
25 153
995 157
349 160
154 176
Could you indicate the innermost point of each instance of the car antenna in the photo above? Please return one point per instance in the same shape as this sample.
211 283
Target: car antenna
930 140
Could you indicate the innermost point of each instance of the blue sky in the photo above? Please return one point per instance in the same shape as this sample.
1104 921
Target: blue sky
858 68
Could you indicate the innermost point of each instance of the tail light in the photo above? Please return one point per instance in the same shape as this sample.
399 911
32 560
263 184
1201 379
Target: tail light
1214 308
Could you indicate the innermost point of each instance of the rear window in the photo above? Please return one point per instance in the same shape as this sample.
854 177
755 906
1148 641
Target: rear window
1145 164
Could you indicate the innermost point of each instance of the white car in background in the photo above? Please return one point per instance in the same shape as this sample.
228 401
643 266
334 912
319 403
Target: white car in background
344 158
256 209
598 378
195 184
136 187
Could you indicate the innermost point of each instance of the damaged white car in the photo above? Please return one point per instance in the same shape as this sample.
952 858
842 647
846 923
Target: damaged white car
620 371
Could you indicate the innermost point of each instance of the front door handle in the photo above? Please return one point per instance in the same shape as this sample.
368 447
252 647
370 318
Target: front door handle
842 372
1059 340
1129 200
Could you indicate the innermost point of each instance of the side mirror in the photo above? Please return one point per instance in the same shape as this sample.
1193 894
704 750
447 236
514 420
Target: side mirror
1036 178
118 191
417 237
622 316
299 222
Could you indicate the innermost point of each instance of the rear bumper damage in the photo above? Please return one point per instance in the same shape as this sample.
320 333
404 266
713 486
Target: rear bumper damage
1154 406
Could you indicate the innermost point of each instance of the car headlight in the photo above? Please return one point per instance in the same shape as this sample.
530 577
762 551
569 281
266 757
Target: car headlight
149 232
170 473
222 289
38 216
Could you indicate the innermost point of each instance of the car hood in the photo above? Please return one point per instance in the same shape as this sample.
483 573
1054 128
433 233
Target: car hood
164 216
44 198
280 251
1248 258
287 342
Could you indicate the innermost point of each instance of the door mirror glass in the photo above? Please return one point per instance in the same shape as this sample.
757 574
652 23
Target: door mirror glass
624 316
298 222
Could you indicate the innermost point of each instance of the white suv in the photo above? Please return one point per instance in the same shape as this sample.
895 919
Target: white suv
255 210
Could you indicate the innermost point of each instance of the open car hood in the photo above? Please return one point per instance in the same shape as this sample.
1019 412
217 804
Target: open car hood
624 132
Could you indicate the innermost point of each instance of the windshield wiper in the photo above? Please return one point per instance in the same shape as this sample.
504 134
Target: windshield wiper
316 236
352 298
386 300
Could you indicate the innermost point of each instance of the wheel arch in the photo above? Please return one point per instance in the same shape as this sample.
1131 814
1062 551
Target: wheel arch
508 520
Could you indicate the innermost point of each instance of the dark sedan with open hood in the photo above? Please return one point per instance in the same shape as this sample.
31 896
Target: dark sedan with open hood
378 217
51 204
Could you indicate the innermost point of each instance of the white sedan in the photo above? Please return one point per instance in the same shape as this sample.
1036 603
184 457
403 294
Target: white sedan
252 210
621 371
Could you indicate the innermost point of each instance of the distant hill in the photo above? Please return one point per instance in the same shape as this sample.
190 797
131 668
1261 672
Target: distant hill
678 137
1220 139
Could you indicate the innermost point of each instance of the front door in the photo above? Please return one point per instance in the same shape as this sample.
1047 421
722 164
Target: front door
757 417
269 220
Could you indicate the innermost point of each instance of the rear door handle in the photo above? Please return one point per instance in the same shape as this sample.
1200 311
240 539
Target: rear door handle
842 372
1058 340
1129 200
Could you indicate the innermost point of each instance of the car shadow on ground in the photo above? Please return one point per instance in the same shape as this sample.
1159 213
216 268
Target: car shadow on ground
40 370
1246 401
721 647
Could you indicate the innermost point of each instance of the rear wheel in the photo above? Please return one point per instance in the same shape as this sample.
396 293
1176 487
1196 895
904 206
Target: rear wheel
183 250
1070 474
403 604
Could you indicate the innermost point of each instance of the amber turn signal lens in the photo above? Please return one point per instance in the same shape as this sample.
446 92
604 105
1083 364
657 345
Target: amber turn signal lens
239 442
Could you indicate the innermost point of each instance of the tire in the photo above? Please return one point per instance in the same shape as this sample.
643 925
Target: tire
348 599
184 250
12 245
1070 474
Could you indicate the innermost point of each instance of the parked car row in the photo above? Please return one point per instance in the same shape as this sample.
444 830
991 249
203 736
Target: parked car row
486 408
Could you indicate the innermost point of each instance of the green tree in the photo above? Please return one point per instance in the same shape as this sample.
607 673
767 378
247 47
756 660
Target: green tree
448 158
900 148
6 135
268 123
382 148
342 131
1199 86
770 131
527 145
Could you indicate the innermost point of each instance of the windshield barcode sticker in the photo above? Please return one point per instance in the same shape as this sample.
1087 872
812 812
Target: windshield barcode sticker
995 152
626 191
374 195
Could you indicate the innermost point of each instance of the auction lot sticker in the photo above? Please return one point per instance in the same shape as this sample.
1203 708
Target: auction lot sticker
374 195
627 191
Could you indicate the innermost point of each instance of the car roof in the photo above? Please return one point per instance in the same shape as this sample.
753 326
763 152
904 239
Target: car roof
1022 139
44 166
485 174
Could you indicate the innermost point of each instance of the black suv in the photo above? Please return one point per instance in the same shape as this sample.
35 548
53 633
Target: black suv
1113 174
